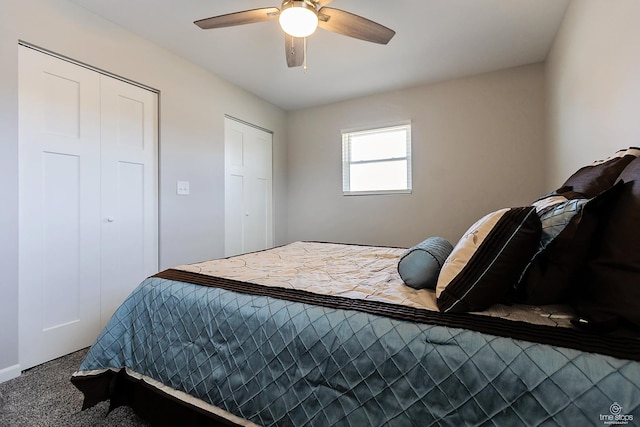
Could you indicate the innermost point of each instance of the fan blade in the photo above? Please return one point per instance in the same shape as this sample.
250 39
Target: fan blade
351 25
322 3
294 50
238 18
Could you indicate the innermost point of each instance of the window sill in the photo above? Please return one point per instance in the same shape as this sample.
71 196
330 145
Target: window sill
375 192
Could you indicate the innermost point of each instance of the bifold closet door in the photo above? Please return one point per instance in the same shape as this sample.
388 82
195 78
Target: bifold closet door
248 188
85 202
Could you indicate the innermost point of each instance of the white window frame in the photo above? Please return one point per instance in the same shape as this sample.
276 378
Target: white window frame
346 158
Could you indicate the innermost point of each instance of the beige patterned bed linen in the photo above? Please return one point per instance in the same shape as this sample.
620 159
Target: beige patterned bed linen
352 271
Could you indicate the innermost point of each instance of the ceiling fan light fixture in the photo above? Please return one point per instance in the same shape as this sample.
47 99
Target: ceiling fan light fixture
298 18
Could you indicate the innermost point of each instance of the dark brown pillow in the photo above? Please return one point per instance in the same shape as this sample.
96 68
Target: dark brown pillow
611 291
567 229
591 180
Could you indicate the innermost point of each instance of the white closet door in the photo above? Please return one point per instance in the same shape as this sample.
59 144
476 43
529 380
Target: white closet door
129 192
59 203
248 188
88 201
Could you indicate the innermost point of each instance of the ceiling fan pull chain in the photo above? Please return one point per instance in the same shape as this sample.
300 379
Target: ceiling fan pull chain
305 55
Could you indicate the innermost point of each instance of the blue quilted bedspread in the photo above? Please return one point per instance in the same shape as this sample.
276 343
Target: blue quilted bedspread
276 362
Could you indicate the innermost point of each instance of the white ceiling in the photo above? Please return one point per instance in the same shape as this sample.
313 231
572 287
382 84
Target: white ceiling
435 40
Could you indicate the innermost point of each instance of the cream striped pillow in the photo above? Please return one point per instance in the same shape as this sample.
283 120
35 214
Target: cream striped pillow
488 260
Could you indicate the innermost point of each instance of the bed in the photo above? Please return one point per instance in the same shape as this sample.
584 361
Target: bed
533 318
323 334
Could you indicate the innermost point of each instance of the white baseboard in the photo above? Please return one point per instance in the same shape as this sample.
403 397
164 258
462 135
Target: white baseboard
10 373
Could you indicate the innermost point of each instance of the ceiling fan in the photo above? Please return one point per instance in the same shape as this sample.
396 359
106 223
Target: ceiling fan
299 19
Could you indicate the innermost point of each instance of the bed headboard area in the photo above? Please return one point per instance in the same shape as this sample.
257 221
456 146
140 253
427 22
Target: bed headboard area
578 245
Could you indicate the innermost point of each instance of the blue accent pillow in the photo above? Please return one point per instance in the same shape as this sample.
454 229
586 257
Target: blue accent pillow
420 266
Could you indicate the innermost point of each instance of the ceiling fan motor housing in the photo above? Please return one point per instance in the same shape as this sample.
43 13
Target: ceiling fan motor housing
308 4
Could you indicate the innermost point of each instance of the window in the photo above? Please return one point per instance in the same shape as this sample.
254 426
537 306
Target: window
377 161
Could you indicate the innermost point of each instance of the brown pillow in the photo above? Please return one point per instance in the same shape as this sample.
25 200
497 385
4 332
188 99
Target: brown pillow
611 291
488 260
567 229
591 180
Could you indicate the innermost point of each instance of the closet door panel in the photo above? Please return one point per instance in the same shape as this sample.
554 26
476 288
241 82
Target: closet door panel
59 229
129 202
61 240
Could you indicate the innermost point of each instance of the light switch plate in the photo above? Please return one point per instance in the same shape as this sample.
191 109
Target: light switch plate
182 188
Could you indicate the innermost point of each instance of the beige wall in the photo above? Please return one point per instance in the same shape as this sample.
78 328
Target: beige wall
593 74
478 142
478 145
192 107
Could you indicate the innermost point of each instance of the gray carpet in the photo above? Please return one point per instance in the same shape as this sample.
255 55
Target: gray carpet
43 396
